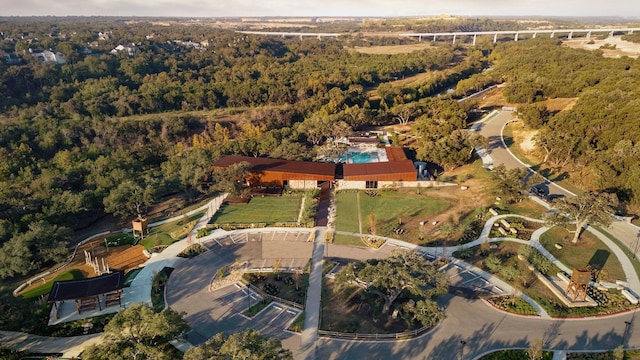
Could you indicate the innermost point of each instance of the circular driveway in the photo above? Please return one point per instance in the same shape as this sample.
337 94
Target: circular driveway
480 326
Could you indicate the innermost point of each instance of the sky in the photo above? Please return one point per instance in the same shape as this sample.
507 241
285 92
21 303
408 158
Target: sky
377 8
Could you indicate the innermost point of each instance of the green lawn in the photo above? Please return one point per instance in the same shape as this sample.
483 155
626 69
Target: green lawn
348 240
176 225
527 207
46 287
393 206
588 250
159 239
347 211
634 261
267 210
119 240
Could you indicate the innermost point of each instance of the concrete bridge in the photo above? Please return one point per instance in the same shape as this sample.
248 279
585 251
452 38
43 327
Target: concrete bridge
290 34
515 34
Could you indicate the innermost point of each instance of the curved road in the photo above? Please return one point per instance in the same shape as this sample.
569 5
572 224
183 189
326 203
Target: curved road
481 327
627 233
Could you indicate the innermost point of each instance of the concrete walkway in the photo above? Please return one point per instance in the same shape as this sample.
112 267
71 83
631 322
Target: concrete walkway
314 292
140 289
68 346
560 355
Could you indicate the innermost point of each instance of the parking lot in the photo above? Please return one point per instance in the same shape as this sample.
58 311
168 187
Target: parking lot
237 297
463 278
277 315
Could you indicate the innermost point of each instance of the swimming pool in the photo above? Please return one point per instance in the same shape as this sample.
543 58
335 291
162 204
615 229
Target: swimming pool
357 156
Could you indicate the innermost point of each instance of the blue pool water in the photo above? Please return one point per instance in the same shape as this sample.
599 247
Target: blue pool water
358 158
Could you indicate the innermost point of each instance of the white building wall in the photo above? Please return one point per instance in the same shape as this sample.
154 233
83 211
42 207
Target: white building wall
303 184
346 184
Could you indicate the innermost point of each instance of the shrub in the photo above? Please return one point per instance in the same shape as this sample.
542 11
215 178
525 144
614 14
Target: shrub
203 232
493 263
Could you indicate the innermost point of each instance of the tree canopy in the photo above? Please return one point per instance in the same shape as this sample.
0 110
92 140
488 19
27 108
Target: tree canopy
246 345
389 278
588 208
138 333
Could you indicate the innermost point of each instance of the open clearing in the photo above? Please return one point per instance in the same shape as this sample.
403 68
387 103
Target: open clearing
393 49
623 48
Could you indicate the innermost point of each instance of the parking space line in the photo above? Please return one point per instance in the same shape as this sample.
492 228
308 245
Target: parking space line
470 280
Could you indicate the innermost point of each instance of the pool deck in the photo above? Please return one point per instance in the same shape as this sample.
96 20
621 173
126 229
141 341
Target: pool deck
361 156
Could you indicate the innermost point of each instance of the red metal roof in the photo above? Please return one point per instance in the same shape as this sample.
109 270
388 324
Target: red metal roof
287 166
364 140
378 168
395 153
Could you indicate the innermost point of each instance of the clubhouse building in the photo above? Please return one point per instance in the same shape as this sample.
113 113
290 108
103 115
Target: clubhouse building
368 168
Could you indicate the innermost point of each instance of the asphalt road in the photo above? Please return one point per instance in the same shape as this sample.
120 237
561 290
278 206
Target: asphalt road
492 130
480 326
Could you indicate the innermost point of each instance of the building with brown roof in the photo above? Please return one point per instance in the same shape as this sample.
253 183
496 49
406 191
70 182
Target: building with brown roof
397 169
283 173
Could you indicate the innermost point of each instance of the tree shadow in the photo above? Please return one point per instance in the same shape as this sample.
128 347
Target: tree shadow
599 259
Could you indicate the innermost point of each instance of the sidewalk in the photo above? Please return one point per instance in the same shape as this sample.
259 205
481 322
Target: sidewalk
140 289
312 306
68 346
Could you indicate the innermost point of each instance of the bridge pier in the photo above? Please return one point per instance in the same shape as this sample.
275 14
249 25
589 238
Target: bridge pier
534 35
570 35
495 38
454 38
420 38
589 35
611 34
516 38
474 39
553 33
630 32
434 37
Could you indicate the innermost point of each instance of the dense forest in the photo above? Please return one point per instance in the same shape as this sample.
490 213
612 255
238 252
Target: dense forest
113 131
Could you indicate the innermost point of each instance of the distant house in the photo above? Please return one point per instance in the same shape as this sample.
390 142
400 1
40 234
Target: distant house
49 56
129 50
282 173
364 142
10 58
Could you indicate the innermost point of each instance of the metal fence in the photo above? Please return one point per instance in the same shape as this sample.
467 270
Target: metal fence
374 337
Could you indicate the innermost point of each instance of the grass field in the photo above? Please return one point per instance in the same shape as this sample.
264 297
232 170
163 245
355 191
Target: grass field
267 210
347 211
588 251
119 240
398 206
46 287
158 239
635 261
527 207
175 226
351 240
